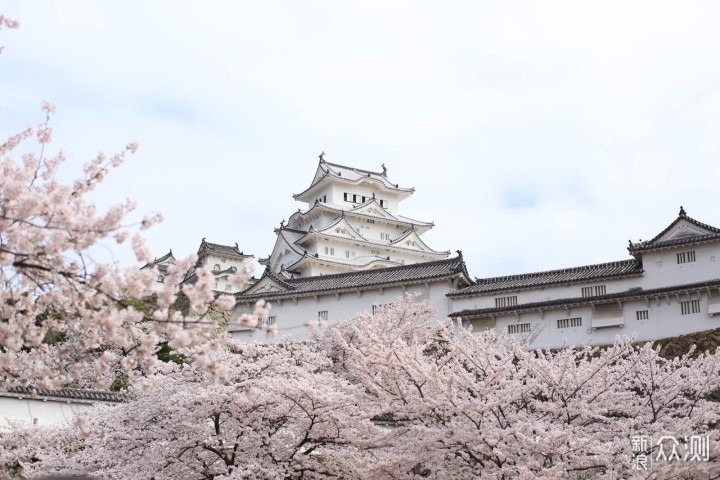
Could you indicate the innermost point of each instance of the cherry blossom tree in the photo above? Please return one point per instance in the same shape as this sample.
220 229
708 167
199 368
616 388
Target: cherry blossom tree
64 317
459 405
273 412
477 405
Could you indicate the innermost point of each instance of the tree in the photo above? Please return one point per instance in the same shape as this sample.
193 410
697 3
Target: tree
275 414
460 406
64 318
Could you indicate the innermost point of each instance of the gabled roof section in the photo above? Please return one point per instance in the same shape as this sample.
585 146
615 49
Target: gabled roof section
207 248
684 230
372 207
586 273
326 170
360 212
339 228
416 273
269 283
167 258
411 235
365 262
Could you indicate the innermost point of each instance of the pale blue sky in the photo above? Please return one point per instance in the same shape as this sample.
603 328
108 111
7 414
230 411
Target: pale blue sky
538 135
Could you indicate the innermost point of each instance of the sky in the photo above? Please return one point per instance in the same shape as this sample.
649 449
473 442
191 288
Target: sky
537 135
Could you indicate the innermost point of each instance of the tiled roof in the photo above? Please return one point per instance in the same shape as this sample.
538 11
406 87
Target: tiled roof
352 175
713 233
167 256
65 394
631 294
586 273
404 274
354 212
224 250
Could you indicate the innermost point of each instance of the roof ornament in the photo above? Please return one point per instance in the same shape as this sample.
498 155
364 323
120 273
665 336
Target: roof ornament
388 257
384 170
304 253
282 224
322 157
682 212
236 246
459 252
316 201
373 194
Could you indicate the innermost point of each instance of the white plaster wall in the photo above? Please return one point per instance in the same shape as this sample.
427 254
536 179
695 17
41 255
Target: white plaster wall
542 294
665 320
291 318
40 412
662 269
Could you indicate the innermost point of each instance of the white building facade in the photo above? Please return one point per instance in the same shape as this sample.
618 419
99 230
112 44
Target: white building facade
670 287
48 407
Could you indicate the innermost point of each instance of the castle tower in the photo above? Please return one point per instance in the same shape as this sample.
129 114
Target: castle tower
351 222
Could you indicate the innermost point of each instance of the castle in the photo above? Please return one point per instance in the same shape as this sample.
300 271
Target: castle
350 250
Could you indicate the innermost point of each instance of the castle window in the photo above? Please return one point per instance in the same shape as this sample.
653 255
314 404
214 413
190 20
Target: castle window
323 315
354 198
689 307
260 323
161 278
595 291
345 196
506 301
374 252
370 221
271 321
384 236
216 267
519 328
686 257
363 199
382 203
569 322
329 250
642 315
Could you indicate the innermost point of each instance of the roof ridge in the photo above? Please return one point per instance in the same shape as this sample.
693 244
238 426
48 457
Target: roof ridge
381 270
595 266
353 168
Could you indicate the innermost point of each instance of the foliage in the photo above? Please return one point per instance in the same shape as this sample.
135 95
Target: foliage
65 318
459 405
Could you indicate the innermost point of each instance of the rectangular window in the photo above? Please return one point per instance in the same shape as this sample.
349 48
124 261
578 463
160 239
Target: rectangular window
686 257
345 197
519 328
260 323
322 315
363 199
595 291
375 309
569 322
506 301
271 321
370 221
382 203
347 253
374 252
384 236
642 315
689 307
329 250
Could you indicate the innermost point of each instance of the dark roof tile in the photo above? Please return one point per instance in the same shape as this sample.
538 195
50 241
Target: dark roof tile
586 273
